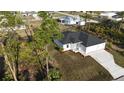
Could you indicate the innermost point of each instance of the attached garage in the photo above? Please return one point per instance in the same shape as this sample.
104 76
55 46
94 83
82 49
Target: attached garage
95 48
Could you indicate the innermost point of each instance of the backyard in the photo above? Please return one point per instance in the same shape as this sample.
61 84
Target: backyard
76 67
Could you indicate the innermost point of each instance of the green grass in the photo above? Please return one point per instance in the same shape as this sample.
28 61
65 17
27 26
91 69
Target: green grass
119 58
74 66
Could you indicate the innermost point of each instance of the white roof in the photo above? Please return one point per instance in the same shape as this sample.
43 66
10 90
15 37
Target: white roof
108 14
69 18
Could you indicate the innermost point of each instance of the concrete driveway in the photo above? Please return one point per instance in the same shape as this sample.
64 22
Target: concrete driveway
106 59
120 79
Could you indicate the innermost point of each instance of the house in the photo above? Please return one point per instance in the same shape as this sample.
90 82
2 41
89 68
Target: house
20 27
28 13
81 42
116 18
68 20
108 14
111 15
33 14
92 21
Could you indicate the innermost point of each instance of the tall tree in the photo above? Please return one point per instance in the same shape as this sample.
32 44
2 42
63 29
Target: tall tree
11 46
87 16
10 43
45 34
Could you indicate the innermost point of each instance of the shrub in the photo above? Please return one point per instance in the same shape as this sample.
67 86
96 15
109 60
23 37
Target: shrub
54 74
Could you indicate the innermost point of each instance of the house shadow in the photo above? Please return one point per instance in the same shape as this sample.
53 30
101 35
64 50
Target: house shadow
2 68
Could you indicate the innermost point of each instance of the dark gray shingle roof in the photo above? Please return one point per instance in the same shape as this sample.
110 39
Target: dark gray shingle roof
85 38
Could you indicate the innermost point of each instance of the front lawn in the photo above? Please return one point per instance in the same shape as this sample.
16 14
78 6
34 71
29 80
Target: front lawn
74 66
119 58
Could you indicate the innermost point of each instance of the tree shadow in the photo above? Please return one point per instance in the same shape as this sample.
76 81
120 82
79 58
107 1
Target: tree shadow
42 74
24 75
2 68
57 48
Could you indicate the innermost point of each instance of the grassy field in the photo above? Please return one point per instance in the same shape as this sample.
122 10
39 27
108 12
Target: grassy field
69 28
33 23
57 15
75 67
119 58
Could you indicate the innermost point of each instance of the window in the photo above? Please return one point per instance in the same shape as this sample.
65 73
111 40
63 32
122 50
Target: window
67 46
77 22
63 21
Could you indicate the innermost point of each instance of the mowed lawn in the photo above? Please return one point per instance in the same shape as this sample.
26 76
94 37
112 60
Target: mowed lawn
74 66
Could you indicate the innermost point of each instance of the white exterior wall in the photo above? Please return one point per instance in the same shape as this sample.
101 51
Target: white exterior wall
116 19
74 47
77 47
82 23
36 16
95 48
21 27
108 14
70 22
65 48
82 48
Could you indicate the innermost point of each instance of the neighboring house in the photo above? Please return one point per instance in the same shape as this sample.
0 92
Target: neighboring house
116 18
31 13
28 13
68 20
20 27
111 15
107 14
81 42
92 21
5 29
